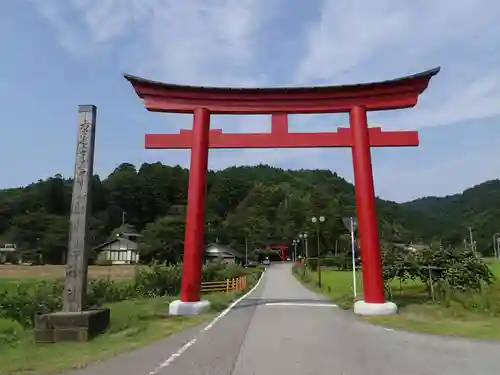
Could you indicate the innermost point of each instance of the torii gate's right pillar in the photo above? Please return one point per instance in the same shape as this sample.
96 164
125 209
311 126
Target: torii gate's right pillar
374 300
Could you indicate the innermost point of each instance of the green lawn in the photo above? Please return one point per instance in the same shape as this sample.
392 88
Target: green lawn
478 316
7 283
134 323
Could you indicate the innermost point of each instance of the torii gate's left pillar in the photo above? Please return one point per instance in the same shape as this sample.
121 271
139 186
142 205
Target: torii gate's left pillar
194 242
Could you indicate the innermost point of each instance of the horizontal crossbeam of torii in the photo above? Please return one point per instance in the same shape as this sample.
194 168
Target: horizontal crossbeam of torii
279 137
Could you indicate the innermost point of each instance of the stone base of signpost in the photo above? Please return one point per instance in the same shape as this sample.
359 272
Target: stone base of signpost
71 326
373 309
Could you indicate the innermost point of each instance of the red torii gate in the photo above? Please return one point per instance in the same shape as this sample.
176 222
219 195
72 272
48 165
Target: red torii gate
279 102
280 246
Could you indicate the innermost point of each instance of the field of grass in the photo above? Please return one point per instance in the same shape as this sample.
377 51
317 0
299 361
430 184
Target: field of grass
134 323
14 272
478 316
12 275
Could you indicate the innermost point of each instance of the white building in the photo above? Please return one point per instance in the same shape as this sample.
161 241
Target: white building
215 251
121 250
6 252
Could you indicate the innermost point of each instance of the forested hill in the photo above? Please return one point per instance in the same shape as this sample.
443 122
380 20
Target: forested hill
477 207
261 203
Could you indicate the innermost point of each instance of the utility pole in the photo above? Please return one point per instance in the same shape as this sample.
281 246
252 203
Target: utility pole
123 218
317 221
353 257
351 224
246 250
473 248
498 247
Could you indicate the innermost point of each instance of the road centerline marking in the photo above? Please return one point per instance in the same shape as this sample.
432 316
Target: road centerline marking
167 362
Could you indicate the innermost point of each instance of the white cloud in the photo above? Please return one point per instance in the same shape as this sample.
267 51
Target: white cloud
233 42
347 34
194 41
218 43
369 40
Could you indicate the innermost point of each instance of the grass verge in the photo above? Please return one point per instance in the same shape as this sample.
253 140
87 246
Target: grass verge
134 323
474 316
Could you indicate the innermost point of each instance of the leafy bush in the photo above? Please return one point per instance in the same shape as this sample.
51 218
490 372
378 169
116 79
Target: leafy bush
301 271
25 300
219 270
100 291
158 280
10 332
445 271
22 302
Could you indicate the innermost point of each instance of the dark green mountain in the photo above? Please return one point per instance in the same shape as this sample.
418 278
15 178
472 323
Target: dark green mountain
477 207
260 203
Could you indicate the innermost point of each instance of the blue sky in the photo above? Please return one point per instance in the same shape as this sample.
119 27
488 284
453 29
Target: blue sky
57 54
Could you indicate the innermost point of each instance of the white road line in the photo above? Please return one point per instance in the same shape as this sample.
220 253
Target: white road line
389 329
191 342
291 304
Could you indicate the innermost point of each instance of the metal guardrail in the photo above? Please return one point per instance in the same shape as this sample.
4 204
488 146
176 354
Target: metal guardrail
228 285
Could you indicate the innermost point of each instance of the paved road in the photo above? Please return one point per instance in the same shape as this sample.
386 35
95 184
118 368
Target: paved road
283 328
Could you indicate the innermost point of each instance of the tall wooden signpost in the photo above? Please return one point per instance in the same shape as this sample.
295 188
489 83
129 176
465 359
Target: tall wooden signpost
75 323
357 100
76 267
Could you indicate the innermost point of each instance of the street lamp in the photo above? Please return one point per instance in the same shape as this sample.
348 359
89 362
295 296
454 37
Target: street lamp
305 242
294 257
317 221
303 239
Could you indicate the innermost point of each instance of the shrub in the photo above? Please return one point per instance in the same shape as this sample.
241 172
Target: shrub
219 270
446 272
22 302
302 272
10 332
158 280
25 300
100 291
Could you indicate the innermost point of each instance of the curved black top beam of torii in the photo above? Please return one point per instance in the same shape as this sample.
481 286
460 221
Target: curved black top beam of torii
384 95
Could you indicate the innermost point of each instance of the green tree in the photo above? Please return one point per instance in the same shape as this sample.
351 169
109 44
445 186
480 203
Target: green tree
163 240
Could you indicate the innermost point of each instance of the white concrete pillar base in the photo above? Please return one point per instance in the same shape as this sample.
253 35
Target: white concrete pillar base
372 309
178 307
